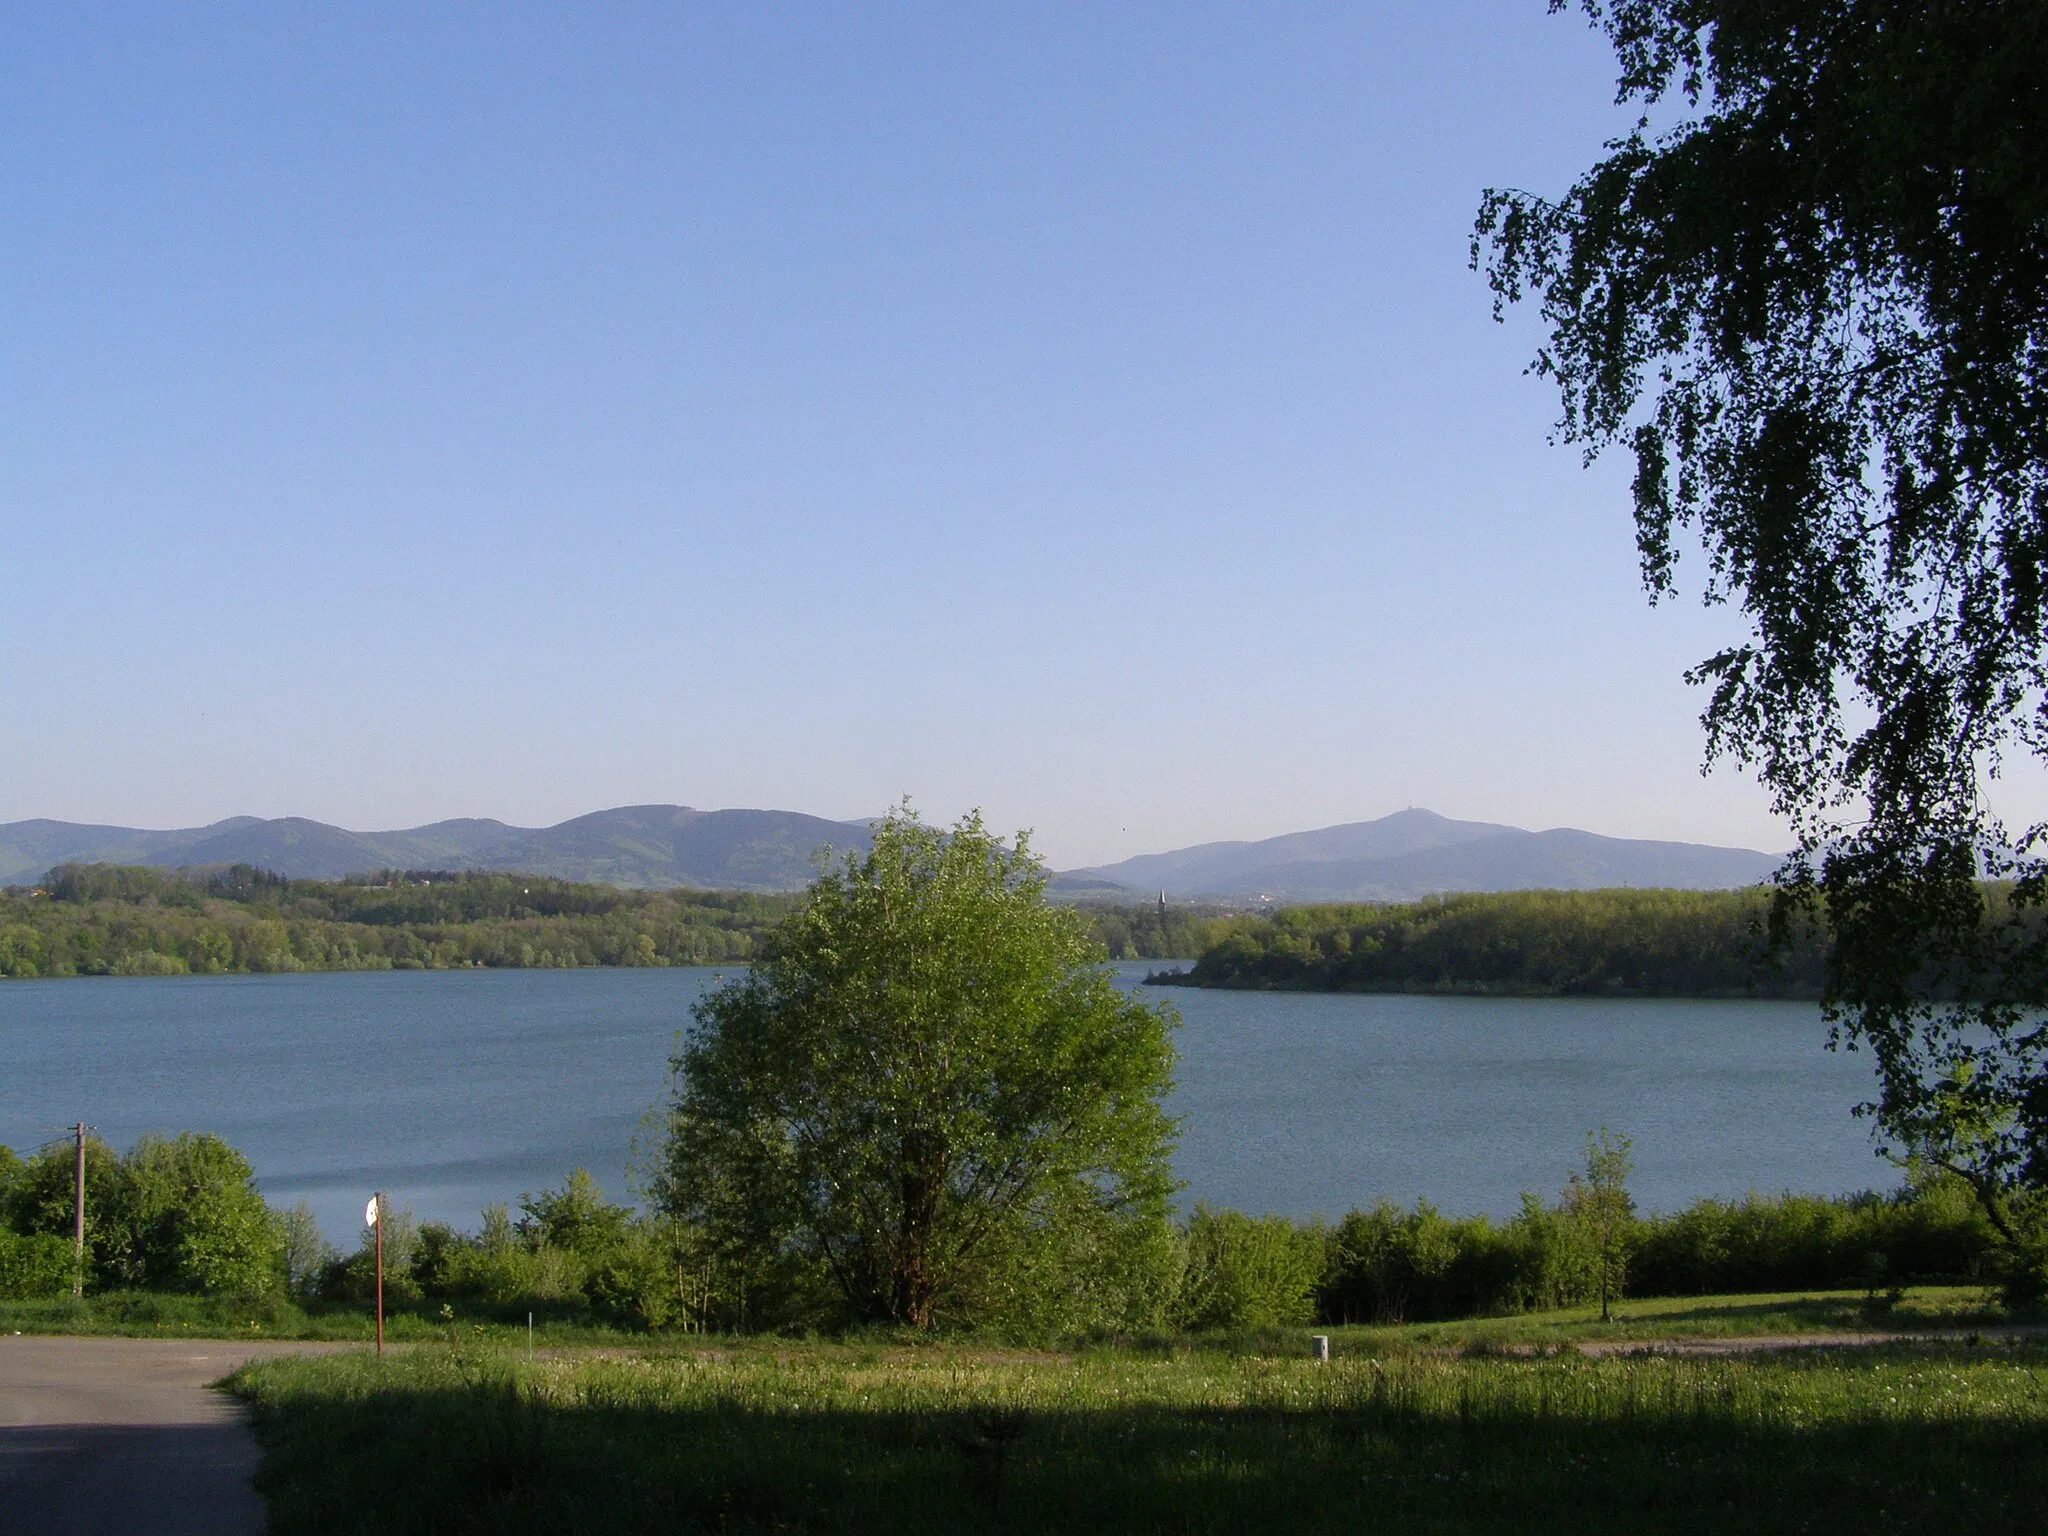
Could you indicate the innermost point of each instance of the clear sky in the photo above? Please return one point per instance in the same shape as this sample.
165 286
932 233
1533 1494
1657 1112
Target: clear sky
1083 412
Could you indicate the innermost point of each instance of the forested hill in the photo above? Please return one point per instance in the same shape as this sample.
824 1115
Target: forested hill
655 846
102 919
1527 943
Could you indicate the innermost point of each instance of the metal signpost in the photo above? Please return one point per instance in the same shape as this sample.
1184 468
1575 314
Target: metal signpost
374 1217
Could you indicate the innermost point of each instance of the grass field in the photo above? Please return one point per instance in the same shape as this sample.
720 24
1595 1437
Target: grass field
763 1437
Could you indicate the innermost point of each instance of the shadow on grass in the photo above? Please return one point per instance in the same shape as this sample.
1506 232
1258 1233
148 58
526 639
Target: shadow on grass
1548 1448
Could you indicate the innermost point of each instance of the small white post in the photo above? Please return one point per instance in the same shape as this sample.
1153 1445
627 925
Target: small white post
1319 1348
529 1335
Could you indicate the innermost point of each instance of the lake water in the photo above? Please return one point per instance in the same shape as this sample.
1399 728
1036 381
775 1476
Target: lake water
450 1089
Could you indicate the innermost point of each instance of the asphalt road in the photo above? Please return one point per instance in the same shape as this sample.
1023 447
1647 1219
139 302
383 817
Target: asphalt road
123 1437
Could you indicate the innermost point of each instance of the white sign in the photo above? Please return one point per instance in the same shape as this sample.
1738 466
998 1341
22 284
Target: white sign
370 1212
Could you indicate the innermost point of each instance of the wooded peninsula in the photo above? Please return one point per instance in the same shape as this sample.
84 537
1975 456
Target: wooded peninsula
1640 943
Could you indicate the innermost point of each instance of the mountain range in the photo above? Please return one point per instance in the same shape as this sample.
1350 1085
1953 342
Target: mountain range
1419 853
1396 858
641 845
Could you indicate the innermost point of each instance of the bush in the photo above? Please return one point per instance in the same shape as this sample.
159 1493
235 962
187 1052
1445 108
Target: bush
305 1252
570 1252
508 1277
1390 1265
926 1069
1387 1265
1933 1229
353 1277
2023 1265
197 1219
1093 1273
172 1214
34 1266
1248 1272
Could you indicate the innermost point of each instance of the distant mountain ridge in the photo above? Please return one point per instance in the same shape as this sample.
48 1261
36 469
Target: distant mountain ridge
636 845
1416 853
1396 858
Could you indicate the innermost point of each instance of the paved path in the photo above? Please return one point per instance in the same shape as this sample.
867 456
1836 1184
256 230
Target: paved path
108 1437
1767 1343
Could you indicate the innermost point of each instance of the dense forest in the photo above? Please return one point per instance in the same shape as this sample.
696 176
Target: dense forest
1528 943
1150 933
102 919
121 920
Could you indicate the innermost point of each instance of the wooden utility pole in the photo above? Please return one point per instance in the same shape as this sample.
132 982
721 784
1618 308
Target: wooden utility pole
78 1216
377 1205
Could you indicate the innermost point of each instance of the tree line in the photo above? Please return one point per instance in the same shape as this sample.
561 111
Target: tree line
109 920
182 1215
1523 943
125 920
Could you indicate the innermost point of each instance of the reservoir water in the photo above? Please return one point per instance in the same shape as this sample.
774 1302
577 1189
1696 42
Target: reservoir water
451 1089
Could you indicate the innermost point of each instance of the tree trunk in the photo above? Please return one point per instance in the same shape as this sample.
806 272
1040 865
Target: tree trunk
913 1286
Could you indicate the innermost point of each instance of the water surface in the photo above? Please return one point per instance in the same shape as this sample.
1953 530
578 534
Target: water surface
450 1089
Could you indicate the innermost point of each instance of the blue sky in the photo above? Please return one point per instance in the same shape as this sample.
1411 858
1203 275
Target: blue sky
1080 412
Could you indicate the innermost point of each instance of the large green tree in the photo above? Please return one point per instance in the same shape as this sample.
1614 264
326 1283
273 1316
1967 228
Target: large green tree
1812 302
174 1213
927 1085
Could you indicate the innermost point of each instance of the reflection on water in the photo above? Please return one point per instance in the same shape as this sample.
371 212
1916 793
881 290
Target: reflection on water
451 1089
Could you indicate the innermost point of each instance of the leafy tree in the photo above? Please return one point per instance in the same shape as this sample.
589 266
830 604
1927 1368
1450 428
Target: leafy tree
576 1217
11 1169
1815 309
43 1199
306 1253
1597 1201
172 1213
194 1219
926 1080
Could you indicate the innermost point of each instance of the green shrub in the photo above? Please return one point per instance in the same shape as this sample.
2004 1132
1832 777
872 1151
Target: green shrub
149 962
1388 1265
305 1253
507 1278
34 1266
2023 1264
198 1220
172 1213
1932 1229
1248 1272
1090 1272
353 1277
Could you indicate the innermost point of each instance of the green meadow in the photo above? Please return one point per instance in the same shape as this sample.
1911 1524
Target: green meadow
762 1436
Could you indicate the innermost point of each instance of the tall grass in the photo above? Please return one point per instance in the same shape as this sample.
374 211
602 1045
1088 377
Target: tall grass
810 1438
